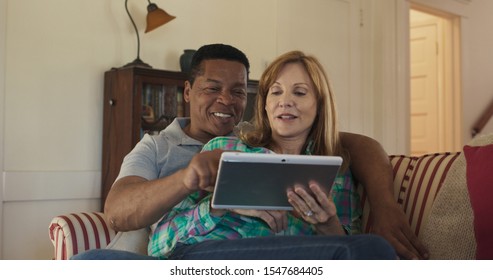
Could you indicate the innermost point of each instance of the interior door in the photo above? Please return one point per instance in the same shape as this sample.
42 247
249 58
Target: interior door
424 88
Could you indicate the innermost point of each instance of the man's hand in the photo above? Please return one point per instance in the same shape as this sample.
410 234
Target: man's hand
201 172
392 224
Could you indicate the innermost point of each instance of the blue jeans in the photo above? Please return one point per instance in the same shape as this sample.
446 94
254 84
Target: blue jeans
319 247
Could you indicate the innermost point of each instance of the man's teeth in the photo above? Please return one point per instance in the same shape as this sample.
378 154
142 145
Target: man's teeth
222 115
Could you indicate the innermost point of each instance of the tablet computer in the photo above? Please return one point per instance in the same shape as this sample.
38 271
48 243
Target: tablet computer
260 181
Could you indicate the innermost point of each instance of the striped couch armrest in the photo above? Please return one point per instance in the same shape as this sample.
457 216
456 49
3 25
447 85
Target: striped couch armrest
417 180
78 232
429 172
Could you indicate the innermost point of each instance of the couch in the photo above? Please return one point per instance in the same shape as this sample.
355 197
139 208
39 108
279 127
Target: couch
435 192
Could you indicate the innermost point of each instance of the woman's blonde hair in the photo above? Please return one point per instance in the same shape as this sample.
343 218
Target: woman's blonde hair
324 134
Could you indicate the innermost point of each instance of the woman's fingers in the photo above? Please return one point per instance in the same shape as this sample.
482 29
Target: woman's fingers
324 199
314 206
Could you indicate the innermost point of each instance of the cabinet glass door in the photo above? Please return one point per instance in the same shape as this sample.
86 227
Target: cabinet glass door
160 105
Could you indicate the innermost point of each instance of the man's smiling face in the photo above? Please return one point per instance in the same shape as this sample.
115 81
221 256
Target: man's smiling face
217 98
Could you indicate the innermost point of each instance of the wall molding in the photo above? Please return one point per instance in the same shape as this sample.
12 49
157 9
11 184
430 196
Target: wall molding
51 185
457 7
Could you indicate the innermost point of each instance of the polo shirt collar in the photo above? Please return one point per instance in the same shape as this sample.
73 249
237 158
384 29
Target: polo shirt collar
174 133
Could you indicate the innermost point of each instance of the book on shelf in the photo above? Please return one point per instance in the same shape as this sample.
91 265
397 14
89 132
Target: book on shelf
160 105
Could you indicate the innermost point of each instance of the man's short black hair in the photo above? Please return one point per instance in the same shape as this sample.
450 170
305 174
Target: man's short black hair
216 51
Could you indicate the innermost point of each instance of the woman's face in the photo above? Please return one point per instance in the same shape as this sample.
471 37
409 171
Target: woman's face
291 104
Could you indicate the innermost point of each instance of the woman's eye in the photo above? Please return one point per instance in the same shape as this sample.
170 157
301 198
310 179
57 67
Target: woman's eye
275 90
300 91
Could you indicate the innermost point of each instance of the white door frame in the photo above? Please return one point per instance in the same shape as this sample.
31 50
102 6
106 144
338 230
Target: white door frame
450 116
395 94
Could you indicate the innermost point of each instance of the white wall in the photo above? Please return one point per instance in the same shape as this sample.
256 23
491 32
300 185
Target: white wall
478 64
51 85
53 58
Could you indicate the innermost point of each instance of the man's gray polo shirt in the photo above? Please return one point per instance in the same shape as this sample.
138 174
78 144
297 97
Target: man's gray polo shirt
160 155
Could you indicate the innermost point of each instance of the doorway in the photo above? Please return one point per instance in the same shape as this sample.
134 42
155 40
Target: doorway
435 114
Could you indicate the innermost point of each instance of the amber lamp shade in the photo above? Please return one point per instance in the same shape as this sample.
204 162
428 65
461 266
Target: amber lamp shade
155 18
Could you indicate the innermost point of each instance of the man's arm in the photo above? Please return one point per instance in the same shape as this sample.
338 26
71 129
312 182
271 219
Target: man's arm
134 202
371 166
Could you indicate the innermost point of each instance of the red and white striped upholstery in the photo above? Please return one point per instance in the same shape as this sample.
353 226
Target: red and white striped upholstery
78 232
417 181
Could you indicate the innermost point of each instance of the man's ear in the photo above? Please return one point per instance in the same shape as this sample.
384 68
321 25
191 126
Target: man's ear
186 91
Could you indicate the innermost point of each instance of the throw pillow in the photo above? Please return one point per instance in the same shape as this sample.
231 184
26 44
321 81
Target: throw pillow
449 232
480 185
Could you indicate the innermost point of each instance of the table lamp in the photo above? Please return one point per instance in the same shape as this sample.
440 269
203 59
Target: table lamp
155 18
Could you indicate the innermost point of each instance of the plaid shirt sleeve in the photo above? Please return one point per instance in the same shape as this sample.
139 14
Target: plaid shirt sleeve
347 202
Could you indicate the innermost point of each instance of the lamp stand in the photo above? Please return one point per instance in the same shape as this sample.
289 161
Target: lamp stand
137 62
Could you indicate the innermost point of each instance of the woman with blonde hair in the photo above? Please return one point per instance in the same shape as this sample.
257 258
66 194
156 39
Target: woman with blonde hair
324 133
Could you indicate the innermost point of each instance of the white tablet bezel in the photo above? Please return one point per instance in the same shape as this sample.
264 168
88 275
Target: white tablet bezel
238 186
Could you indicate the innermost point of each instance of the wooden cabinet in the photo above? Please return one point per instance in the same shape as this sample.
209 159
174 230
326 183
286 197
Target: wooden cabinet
138 101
